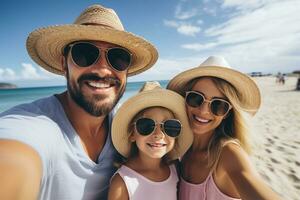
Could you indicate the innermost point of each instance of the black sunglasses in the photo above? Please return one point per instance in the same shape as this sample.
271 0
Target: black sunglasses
85 54
219 107
146 126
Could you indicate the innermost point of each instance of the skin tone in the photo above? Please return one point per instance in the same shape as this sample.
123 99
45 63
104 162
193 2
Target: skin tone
148 162
100 93
23 182
234 175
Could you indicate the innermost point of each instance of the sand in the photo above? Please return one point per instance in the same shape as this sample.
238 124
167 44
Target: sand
276 136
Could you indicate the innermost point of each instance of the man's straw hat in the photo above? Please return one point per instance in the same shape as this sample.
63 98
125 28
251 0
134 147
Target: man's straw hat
152 95
45 45
214 66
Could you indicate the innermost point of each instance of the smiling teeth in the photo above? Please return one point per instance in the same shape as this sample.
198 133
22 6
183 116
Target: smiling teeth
99 84
157 145
201 120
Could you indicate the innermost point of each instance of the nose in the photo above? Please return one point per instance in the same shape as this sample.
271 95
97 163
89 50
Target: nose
204 107
102 64
158 133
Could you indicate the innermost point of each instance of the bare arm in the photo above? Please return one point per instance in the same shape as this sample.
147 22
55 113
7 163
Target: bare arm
20 171
117 189
247 181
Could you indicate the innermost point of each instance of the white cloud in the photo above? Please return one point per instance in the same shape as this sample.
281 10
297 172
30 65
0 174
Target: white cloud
210 10
244 5
188 29
7 74
198 47
183 15
171 23
166 69
27 72
261 37
183 28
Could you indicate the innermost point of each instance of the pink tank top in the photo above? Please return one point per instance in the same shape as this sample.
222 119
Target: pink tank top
207 190
140 187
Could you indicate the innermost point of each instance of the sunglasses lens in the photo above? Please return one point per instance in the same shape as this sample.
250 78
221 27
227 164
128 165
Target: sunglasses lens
145 126
219 107
194 99
119 58
172 127
84 54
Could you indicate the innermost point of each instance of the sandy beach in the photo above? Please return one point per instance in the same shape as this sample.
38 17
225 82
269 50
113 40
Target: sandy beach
276 136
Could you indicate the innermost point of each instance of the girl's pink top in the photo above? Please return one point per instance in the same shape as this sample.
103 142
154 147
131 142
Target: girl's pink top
207 190
140 187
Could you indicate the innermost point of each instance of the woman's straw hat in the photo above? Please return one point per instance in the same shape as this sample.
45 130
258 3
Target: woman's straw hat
215 66
151 96
45 45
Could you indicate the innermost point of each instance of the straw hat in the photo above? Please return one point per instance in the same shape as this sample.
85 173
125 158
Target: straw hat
45 45
152 95
215 66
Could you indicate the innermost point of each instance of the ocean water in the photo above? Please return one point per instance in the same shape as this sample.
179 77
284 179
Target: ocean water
12 97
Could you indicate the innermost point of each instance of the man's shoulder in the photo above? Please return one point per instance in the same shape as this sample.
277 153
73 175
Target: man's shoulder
36 107
29 119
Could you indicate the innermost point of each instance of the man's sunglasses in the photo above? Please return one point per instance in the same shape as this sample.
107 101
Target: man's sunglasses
85 54
146 126
219 107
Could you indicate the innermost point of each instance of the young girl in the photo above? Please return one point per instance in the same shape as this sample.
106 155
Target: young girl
217 165
150 129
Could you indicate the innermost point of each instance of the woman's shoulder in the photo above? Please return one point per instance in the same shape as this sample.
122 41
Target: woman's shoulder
233 157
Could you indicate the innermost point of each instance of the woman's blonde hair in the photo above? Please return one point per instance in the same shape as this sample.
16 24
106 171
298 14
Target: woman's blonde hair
234 126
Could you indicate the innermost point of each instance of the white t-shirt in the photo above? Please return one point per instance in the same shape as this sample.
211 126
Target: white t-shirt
68 172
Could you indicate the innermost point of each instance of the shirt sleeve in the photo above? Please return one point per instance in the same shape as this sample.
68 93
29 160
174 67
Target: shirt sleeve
38 131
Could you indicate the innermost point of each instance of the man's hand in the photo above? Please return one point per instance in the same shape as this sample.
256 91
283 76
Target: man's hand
20 171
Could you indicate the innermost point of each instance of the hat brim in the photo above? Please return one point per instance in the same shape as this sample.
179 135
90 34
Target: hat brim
158 97
247 89
45 45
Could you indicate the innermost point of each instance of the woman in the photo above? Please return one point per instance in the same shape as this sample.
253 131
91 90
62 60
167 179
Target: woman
217 165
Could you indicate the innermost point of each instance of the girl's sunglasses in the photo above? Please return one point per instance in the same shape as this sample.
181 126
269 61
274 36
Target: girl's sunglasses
85 54
219 107
146 126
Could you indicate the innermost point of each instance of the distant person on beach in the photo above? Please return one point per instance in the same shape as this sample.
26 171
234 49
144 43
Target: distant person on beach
150 130
60 147
280 78
217 165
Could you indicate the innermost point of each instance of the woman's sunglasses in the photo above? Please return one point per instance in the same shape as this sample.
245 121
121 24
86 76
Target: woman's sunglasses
85 54
219 107
146 126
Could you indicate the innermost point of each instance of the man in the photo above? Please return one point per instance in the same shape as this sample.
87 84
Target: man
60 147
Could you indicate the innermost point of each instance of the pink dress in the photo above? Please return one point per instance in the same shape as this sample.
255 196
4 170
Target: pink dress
207 190
140 187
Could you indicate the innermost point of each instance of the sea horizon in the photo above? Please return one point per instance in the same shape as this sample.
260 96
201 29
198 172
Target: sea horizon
10 97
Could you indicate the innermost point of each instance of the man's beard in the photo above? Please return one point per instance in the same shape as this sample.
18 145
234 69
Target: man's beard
89 104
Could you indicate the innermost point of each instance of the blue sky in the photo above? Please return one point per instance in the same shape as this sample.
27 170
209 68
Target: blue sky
254 35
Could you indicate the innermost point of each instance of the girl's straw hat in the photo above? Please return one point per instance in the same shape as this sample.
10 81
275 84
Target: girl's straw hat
215 66
152 95
45 45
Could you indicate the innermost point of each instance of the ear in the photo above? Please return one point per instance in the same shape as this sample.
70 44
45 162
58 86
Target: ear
132 137
63 62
